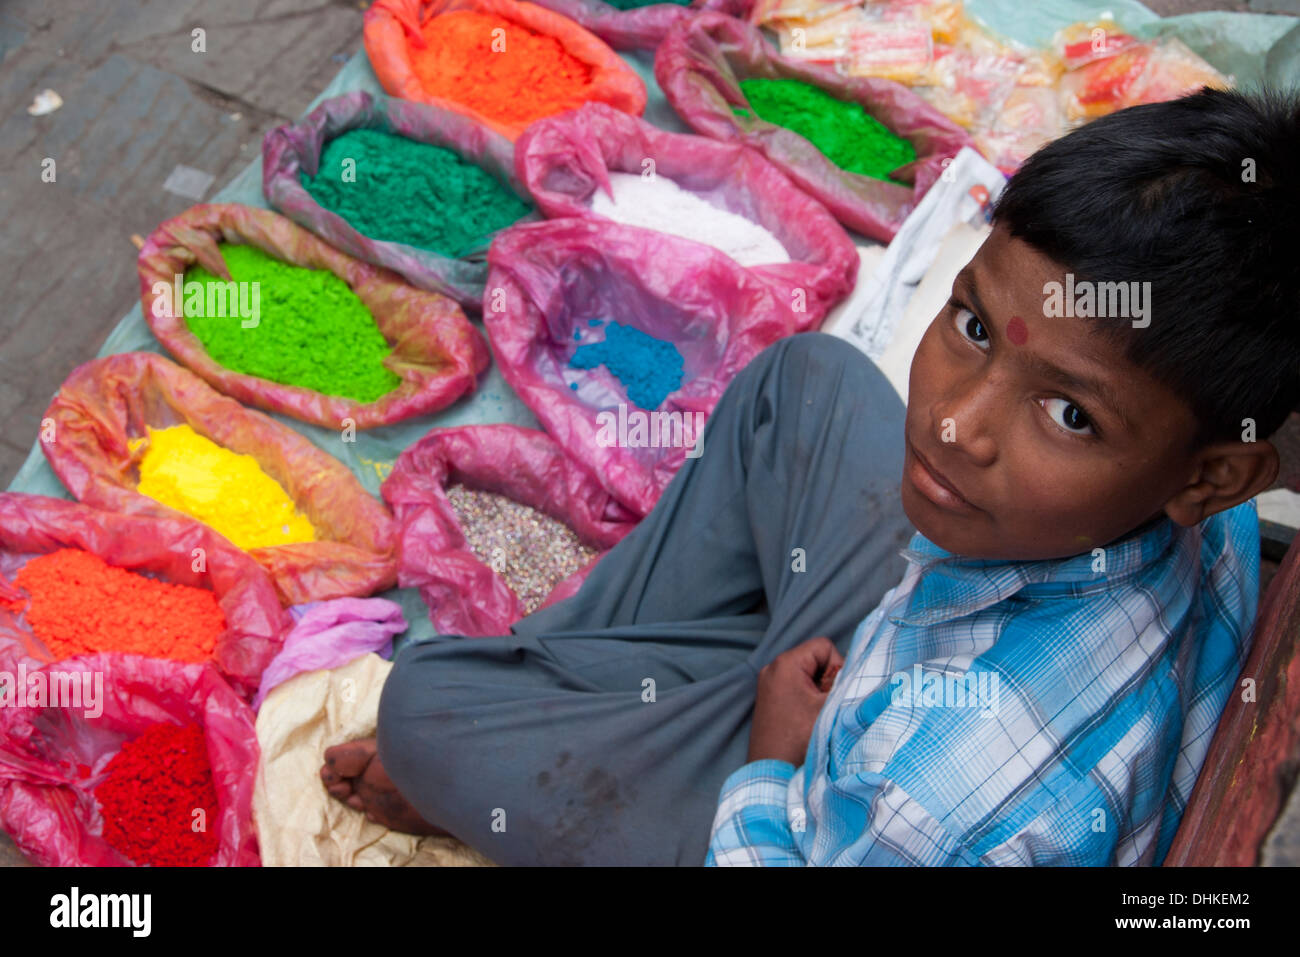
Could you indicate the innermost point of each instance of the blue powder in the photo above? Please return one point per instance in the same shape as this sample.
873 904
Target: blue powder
649 368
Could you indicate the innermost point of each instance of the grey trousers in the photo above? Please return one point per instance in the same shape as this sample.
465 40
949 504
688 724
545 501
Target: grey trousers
602 729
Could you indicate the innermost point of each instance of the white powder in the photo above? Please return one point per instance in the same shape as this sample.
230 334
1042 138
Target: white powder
659 203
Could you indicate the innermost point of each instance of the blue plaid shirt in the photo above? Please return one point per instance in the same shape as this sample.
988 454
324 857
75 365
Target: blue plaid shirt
996 713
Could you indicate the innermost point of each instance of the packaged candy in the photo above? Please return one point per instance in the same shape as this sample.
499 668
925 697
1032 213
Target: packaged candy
971 77
945 18
819 41
969 87
1030 117
1082 43
1033 67
1163 69
769 12
898 50
1173 70
1101 86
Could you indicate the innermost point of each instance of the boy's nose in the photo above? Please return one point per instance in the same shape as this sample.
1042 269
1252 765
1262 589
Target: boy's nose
966 420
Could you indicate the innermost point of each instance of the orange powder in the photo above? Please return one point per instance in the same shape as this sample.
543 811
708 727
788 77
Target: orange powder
81 604
527 76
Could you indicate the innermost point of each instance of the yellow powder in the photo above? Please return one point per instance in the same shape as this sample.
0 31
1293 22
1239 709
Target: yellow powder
220 488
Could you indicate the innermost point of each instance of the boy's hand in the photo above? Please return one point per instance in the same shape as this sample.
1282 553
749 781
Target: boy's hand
789 699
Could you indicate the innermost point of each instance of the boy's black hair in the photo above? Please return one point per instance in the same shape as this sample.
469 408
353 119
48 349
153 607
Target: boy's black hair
1199 196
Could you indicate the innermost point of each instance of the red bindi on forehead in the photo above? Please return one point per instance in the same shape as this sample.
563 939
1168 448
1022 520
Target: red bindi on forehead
1017 331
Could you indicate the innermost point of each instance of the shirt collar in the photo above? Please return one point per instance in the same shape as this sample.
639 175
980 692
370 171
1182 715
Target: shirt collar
951 586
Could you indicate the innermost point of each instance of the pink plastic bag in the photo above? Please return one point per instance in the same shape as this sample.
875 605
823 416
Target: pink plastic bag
293 149
436 351
105 403
395 28
329 634
465 596
549 279
564 159
641 28
32 525
47 802
699 66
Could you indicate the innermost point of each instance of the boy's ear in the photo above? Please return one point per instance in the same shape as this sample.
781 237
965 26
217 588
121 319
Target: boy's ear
1229 474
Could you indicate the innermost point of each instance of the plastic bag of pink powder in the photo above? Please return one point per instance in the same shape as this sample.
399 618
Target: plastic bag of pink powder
641 28
700 65
550 280
52 758
166 548
563 160
329 634
293 149
464 595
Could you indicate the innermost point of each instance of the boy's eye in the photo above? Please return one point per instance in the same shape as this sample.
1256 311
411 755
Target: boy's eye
969 325
1068 415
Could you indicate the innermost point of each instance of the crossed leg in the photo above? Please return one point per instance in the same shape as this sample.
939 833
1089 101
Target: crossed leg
801 460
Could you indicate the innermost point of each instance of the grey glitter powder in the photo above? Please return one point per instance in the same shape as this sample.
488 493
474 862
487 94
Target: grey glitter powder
530 550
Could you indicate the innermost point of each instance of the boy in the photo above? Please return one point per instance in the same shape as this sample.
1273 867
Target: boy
1042 685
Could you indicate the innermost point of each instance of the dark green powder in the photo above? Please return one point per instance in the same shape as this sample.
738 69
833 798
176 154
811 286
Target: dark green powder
312 330
850 137
395 189
634 4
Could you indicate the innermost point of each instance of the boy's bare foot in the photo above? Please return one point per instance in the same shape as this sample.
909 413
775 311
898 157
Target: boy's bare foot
353 774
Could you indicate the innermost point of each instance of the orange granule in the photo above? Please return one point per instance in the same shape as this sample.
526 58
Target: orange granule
81 604
533 76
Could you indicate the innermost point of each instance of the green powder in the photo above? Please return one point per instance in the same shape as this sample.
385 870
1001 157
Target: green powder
392 188
634 4
849 136
312 330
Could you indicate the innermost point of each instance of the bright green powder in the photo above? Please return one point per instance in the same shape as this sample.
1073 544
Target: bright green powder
312 330
849 136
395 189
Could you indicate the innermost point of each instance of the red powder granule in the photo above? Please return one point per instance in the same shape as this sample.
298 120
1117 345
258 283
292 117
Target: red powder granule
531 78
80 604
149 800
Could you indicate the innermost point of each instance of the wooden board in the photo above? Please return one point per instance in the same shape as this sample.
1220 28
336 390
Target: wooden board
1250 768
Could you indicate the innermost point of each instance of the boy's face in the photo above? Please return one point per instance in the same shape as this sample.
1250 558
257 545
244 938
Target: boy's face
1053 442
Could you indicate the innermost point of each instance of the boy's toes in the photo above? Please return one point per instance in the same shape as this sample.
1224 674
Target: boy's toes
349 760
344 765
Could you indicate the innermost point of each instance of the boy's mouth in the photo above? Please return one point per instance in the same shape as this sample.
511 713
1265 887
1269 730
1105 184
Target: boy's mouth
933 485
